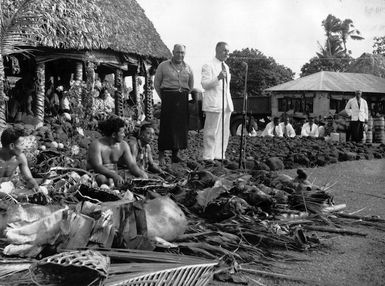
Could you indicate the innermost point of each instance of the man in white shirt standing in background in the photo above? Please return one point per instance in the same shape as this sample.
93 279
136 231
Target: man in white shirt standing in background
357 109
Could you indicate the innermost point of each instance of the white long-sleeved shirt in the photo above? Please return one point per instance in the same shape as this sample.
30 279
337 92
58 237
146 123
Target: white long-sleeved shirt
287 129
213 88
269 130
307 131
356 113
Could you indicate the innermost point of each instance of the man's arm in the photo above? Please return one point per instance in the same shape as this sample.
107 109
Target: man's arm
133 148
191 79
291 131
304 132
158 79
208 79
316 132
279 130
268 130
366 110
95 161
131 162
348 107
151 164
26 172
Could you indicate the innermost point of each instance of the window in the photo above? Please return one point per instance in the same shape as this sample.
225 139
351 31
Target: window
297 104
337 104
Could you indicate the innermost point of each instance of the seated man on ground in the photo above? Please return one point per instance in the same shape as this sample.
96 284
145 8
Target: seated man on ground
12 156
330 126
141 149
273 129
106 152
287 129
309 129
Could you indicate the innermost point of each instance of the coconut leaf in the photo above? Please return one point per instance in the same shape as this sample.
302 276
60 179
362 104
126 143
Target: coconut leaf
208 195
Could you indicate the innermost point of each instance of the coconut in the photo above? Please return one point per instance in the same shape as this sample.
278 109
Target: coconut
54 144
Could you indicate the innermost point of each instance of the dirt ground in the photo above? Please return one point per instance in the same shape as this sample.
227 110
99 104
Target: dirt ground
342 259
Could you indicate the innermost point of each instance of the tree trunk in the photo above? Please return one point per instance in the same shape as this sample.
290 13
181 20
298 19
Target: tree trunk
148 96
119 92
40 92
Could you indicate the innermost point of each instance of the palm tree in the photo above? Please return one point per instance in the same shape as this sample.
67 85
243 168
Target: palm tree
332 26
15 27
332 48
347 31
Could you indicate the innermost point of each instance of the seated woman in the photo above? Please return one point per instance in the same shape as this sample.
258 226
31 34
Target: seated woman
141 149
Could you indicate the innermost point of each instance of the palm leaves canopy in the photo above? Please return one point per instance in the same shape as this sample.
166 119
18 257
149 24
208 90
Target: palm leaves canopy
331 25
332 48
338 31
347 31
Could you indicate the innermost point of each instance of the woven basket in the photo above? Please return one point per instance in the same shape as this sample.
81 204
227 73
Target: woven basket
71 268
189 275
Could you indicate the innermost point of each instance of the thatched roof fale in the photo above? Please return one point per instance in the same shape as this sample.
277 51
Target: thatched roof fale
113 25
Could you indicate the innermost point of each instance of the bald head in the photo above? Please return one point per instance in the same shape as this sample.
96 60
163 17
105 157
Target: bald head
222 51
178 53
179 46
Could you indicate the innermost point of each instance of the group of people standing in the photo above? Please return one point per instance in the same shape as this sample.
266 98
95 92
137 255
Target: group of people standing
173 82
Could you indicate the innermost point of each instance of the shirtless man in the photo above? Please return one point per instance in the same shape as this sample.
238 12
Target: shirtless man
141 149
105 153
12 156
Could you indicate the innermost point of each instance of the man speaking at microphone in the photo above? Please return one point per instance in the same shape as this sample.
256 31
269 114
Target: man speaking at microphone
217 105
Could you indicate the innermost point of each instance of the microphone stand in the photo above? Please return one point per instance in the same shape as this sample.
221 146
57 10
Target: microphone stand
242 148
223 120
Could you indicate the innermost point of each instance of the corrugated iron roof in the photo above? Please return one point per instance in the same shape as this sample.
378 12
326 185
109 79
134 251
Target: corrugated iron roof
334 81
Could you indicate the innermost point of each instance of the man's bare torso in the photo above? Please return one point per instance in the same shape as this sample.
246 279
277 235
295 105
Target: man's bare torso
111 153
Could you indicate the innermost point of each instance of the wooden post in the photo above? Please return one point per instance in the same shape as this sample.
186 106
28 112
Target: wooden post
119 92
148 96
135 97
87 99
3 104
79 71
2 95
40 92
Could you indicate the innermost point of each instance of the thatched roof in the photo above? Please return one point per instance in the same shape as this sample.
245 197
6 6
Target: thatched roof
370 64
334 82
117 25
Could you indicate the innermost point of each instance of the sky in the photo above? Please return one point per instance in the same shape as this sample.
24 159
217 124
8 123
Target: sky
287 30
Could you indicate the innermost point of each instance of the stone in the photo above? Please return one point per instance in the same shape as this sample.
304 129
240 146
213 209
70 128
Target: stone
261 166
275 164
